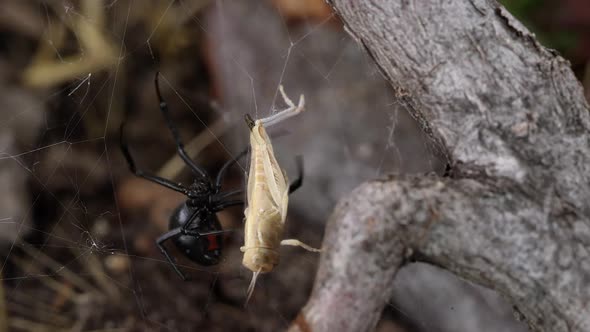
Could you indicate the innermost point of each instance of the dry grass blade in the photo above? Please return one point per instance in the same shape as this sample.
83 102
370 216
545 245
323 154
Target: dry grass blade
39 315
99 52
23 297
60 269
58 287
94 266
19 324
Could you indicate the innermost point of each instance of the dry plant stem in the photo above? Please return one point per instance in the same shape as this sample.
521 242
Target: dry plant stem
94 266
20 310
33 268
98 51
511 119
20 324
61 270
31 301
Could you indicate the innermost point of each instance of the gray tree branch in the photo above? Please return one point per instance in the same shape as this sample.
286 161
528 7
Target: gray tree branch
512 121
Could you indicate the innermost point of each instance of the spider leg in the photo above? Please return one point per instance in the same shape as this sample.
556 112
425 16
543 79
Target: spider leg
226 204
297 243
225 167
197 233
159 243
297 183
223 195
131 163
284 114
185 229
179 144
190 221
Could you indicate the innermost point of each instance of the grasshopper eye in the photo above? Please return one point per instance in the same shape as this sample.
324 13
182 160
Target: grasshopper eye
249 121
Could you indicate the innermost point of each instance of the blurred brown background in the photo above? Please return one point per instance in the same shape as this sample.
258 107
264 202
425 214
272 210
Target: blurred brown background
77 229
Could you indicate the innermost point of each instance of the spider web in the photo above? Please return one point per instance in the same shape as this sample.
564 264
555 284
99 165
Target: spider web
80 250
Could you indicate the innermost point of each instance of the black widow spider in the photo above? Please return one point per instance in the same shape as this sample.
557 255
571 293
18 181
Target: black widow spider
194 227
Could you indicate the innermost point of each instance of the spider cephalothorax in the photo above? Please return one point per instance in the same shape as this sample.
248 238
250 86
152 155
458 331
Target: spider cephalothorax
194 227
200 189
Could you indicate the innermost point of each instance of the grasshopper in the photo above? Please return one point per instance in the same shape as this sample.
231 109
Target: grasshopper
268 197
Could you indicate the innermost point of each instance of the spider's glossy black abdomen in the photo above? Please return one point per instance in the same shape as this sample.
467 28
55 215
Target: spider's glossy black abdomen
204 250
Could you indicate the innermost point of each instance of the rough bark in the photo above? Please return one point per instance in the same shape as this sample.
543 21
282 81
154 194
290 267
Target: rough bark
512 121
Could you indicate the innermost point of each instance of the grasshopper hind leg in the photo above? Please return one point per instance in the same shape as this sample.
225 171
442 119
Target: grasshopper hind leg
297 243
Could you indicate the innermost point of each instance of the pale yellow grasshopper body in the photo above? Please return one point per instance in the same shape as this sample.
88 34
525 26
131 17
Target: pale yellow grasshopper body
268 198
